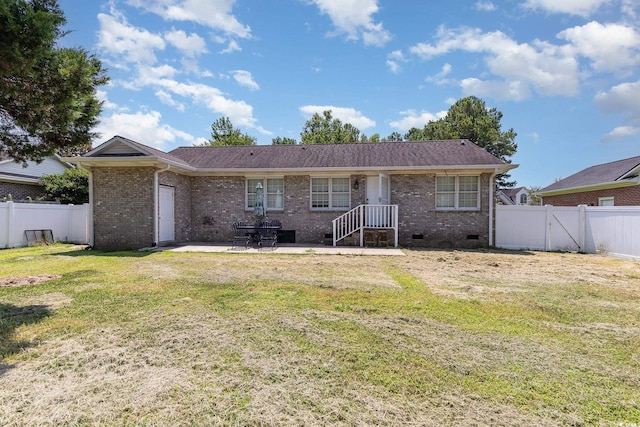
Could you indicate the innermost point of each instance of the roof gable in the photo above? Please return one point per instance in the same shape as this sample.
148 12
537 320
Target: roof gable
119 147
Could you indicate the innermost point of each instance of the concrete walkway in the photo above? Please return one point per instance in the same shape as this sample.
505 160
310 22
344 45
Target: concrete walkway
285 248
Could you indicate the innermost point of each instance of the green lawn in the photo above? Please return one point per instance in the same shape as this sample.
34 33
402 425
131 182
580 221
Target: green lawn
432 338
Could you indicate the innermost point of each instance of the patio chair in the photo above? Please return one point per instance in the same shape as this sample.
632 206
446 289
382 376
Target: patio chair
269 234
241 236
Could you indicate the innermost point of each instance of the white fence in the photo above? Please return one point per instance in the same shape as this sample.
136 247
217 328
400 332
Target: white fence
611 230
69 223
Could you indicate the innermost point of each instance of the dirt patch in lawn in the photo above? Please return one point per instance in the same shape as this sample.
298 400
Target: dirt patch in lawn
15 282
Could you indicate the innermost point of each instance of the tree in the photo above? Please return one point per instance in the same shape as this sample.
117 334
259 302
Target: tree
324 129
394 137
223 133
72 186
48 97
283 141
469 118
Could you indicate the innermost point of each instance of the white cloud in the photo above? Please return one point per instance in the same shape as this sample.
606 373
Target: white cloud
134 45
244 78
167 99
485 6
414 119
440 78
215 14
621 132
190 45
582 8
354 18
106 104
610 47
346 115
548 69
501 90
240 113
233 46
395 60
622 98
143 127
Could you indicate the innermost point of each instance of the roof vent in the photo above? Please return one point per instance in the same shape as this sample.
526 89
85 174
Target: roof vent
251 153
462 142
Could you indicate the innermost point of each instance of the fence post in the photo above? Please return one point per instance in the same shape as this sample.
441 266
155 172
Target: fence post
70 213
547 227
10 214
582 228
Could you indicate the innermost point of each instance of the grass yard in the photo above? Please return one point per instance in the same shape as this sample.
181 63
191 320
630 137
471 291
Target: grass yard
434 338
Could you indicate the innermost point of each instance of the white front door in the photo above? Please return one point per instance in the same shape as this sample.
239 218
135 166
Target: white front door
378 189
378 193
166 221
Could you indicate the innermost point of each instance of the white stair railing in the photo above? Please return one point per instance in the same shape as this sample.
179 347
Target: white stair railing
366 216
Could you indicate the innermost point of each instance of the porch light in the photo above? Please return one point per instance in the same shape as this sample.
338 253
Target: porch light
356 184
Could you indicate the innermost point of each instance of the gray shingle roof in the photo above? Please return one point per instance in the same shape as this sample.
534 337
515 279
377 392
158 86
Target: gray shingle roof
598 174
349 156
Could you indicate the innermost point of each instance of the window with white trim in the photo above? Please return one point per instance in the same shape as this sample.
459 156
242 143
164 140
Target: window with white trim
605 201
330 194
524 199
273 191
458 192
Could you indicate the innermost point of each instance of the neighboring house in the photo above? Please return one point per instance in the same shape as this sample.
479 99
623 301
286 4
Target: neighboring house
609 184
20 183
433 193
513 196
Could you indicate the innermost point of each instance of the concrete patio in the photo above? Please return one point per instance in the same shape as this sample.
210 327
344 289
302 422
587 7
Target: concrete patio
282 249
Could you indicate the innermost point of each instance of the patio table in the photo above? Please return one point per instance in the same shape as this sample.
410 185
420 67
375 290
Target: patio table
260 232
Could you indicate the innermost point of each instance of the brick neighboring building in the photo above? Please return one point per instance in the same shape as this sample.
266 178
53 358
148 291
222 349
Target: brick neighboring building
609 184
141 196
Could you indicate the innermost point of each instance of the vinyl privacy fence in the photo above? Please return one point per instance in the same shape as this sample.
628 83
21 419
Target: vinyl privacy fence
613 230
69 223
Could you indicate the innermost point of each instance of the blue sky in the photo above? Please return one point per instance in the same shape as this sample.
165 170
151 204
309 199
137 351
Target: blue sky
565 74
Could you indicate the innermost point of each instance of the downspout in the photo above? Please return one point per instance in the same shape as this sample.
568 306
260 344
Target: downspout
156 207
491 204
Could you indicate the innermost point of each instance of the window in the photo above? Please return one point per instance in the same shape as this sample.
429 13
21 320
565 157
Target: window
524 199
330 193
605 201
457 192
273 192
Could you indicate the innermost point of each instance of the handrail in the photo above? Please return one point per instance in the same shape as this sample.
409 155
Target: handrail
365 216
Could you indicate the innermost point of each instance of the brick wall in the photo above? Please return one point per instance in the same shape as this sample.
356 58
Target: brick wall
625 196
20 191
207 207
217 202
123 207
415 195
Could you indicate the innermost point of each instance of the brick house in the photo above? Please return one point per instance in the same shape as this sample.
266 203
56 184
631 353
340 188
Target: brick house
433 193
20 183
609 184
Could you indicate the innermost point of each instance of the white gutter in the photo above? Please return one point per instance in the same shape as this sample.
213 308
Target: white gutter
491 203
156 205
